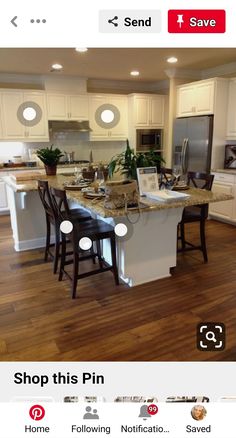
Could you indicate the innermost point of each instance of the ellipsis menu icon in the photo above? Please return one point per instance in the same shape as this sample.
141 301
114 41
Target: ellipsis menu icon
196 21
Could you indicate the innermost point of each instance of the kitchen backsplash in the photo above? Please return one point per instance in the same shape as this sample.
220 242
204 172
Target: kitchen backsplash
79 143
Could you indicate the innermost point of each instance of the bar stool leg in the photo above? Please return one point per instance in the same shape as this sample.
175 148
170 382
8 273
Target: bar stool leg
182 235
113 256
75 274
56 248
63 257
203 240
98 244
48 236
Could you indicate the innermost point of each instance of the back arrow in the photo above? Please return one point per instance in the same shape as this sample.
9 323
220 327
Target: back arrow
13 21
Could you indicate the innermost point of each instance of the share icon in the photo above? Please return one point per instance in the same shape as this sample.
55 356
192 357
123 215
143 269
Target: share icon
112 21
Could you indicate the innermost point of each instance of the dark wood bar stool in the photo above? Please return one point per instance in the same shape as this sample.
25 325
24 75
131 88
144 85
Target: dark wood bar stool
96 231
166 177
53 219
196 213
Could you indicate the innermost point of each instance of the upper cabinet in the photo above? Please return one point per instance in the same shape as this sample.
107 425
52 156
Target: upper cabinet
147 110
231 119
67 107
24 116
108 117
196 99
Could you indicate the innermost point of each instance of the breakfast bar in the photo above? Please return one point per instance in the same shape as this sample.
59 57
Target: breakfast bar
145 253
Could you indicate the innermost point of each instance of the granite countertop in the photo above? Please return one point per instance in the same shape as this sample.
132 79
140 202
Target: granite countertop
197 196
228 171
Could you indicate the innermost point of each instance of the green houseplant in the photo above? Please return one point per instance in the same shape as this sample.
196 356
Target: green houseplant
50 158
127 162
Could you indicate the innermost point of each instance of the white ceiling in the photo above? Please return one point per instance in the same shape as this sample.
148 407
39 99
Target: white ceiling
113 64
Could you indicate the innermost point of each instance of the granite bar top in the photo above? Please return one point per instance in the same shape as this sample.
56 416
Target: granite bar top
197 196
228 171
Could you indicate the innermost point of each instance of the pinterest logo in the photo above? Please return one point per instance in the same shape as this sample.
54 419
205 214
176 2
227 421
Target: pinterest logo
37 412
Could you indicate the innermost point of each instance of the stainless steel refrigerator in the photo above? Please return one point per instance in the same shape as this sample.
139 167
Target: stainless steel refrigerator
193 143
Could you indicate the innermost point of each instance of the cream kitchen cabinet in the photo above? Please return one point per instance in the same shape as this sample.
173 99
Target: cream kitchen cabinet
67 107
231 124
196 99
108 117
15 127
3 195
148 110
226 210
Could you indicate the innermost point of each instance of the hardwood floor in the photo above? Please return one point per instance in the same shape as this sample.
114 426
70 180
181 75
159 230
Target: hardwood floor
156 321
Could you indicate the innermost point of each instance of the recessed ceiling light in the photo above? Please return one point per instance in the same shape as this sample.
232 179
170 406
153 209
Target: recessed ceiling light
57 66
172 59
81 49
134 73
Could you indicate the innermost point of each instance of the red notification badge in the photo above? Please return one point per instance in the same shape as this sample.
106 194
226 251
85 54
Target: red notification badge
152 409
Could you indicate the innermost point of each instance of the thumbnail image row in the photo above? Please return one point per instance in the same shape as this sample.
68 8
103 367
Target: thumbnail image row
142 399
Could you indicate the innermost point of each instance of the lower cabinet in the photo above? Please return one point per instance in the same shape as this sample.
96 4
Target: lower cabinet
226 210
3 198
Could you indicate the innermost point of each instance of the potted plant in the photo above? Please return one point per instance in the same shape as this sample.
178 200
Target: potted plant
127 162
50 158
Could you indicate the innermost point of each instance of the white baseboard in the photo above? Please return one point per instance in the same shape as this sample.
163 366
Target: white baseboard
25 245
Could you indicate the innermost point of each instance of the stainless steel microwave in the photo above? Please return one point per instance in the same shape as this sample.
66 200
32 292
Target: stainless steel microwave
149 139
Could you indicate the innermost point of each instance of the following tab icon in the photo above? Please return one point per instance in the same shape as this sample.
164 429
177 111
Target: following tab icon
196 21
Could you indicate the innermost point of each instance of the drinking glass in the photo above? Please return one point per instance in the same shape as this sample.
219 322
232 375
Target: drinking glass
78 174
176 172
99 178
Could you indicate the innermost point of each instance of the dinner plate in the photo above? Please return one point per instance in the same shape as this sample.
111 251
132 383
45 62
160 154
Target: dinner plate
76 186
181 187
92 195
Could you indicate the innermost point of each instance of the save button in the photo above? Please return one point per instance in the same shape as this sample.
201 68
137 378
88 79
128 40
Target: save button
196 21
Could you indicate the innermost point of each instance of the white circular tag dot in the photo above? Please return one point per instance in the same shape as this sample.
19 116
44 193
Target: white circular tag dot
121 230
85 243
66 227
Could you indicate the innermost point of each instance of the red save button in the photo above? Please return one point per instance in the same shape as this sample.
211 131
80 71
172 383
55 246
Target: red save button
196 21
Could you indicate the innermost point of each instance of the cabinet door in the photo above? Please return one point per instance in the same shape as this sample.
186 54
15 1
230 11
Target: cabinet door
3 196
12 127
78 107
231 116
57 107
222 209
157 111
204 94
186 104
141 111
120 131
98 132
40 130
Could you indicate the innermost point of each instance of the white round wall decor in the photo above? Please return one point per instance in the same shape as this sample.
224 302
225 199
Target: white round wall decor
29 114
107 116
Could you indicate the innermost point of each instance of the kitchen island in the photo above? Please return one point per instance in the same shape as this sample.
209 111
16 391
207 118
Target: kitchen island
148 250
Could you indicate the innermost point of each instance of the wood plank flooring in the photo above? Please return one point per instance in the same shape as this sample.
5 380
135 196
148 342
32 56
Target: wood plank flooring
156 321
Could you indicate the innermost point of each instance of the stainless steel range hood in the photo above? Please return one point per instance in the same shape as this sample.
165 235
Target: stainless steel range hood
56 126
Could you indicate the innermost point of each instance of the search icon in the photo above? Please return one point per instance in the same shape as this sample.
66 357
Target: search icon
210 336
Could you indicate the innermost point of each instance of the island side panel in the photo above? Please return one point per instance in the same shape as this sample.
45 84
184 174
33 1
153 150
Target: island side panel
27 220
149 250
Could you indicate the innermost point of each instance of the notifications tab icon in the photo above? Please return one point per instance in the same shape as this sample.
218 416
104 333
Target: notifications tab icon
196 21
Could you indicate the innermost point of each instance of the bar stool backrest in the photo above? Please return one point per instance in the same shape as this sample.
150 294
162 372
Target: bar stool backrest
45 196
60 202
200 180
203 181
